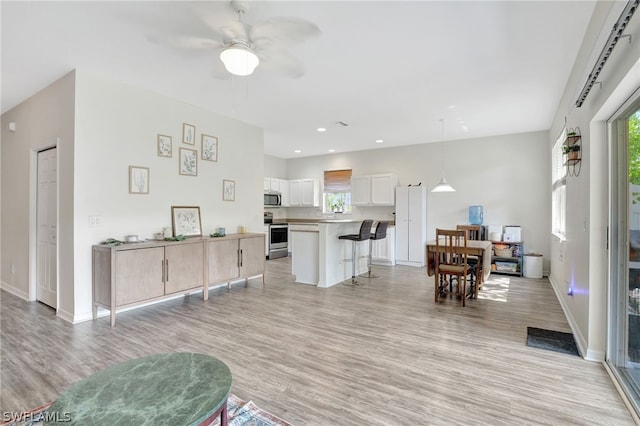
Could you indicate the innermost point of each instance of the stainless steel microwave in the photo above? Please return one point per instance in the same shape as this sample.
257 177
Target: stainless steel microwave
272 199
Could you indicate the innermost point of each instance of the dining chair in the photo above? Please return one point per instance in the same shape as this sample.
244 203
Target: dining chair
474 233
451 263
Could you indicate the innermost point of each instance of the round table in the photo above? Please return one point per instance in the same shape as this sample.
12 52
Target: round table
164 389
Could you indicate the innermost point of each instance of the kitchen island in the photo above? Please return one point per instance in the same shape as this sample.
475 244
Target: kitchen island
319 256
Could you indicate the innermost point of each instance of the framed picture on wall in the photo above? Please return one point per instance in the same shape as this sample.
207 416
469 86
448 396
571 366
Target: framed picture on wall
188 162
188 134
228 190
185 220
209 151
165 148
138 180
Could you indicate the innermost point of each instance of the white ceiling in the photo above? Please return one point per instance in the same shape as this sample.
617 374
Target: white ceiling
390 69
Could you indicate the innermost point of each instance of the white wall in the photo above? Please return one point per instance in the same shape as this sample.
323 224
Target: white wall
508 175
581 260
275 167
41 121
116 126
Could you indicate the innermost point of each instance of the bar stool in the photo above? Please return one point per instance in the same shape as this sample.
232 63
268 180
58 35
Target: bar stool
363 235
380 234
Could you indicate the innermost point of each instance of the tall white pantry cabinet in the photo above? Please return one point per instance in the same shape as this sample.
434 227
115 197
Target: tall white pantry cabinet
411 225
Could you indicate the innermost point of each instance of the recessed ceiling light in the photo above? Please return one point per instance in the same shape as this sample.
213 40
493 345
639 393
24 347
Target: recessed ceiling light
379 141
451 107
332 150
297 151
322 129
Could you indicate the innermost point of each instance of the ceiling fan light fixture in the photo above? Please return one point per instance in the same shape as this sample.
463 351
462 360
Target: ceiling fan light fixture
238 59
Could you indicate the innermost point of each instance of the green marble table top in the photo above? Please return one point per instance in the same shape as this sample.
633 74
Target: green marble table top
164 389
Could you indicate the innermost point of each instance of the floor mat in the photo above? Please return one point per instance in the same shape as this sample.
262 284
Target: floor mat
552 340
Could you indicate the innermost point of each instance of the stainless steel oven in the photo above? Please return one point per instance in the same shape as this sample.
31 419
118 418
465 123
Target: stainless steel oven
278 238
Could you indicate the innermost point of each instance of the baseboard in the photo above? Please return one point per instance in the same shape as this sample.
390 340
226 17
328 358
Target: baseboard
580 340
407 263
594 356
67 316
382 262
15 291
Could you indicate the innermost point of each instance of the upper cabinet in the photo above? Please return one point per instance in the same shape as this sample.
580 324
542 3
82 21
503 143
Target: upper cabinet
273 184
373 190
304 193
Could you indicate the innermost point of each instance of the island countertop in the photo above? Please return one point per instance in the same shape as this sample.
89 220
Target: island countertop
390 222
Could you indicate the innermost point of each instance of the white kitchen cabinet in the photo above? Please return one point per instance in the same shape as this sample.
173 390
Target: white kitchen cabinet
284 190
373 190
304 193
266 184
274 184
383 252
411 225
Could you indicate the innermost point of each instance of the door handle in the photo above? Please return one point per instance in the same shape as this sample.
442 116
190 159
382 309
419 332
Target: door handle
163 271
241 258
166 271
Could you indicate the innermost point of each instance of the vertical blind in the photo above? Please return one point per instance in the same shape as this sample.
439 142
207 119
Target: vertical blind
337 180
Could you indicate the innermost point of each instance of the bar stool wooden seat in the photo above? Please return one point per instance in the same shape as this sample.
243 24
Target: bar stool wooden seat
363 235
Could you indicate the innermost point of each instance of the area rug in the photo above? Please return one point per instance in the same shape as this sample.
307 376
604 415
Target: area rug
240 413
552 340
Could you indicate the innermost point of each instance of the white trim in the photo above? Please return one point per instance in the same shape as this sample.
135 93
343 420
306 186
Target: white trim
15 291
580 340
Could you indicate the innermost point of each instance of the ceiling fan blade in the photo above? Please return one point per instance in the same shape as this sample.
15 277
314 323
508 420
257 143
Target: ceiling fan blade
184 42
282 62
284 30
234 30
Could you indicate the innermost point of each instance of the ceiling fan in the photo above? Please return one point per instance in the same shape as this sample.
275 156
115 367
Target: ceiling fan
243 46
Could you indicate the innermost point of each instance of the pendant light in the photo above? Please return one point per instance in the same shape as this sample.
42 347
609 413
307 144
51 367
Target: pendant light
443 185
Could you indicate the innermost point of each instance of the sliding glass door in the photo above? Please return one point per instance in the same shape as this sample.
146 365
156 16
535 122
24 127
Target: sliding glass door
624 296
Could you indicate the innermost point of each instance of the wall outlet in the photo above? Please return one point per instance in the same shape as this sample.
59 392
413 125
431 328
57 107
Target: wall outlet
95 220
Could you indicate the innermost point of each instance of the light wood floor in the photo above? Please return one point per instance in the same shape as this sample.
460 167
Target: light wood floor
381 354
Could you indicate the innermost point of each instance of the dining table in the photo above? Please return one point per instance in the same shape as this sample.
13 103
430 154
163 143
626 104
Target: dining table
479 248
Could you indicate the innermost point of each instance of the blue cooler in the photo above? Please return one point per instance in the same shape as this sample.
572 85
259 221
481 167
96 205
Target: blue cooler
475 215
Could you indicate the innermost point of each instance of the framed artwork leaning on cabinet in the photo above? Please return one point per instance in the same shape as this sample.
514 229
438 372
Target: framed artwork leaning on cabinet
185 220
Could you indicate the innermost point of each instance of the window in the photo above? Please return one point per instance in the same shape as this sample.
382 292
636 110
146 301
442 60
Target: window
559 193
337 191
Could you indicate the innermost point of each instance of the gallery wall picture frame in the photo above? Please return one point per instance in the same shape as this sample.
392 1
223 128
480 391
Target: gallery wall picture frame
228 190
165 146
138 180
188 133
209 151
185 220
188 165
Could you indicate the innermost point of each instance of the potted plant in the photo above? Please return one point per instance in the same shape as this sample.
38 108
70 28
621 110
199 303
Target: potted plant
338 206
572 151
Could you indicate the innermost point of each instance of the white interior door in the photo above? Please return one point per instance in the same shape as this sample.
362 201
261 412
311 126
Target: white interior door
46 229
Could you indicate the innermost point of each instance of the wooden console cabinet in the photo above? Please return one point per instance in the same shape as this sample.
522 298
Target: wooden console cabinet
230 259
136 273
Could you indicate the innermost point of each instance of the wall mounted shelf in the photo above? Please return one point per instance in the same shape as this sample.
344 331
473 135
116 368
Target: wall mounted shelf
572 151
